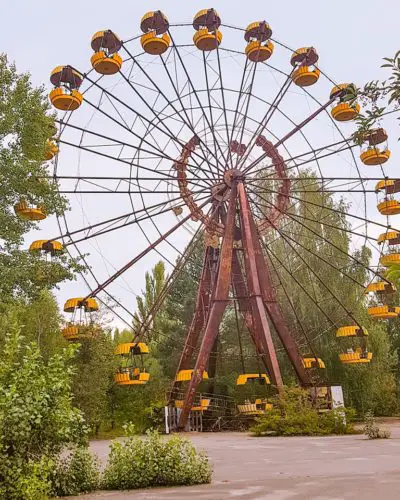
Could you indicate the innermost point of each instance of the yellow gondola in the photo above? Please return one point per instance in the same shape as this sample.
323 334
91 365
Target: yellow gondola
355 357
64 101
259 48
65 96
259 407
389 207
206 41
26 211
246 377
390 259
131 378
387 203
46 246
80 326
155 45
343 111
360 354
134 348
206 23
351 331
70 332
305 73
89 305
257 52
155 40
76 331
392 237
375 151
106 60
305 76
380 288
374 156
383 312
106 64
50 151
203 404
186 375
313 363
129 373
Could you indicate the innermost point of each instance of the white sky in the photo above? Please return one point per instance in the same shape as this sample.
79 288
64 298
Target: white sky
350 37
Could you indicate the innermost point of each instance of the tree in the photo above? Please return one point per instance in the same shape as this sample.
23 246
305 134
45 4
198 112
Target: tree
320 281
93 380
154 285
40 322
25 128
37 419
178 310
141 405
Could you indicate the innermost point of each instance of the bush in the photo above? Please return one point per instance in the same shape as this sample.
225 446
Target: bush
79 472
372 430
25 479
37 419
152 461
294 415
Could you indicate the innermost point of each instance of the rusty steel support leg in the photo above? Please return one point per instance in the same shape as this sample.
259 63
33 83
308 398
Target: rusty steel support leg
245 309
275 312
256 300
204 292
218 306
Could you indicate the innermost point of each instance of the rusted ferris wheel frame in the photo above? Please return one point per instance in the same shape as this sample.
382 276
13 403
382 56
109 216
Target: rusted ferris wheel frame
227 179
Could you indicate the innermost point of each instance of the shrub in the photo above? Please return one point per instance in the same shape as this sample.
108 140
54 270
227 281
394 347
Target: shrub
37 419
79 472
151 461
372 430
25 479
294 415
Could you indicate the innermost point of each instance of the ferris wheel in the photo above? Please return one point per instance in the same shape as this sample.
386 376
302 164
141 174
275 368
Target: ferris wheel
204 129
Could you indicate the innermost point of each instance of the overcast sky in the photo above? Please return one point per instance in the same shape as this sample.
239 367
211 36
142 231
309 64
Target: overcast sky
351 38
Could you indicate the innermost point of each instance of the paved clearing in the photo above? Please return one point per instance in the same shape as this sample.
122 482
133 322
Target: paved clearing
320 468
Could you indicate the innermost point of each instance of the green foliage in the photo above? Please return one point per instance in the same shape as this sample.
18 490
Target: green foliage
373 386
151 461
79 472
41 322
25 275
25 127
293 414
25 479
372 430
178 311
93 380
140 405
379 98
143 405
37 419
393 273
154 284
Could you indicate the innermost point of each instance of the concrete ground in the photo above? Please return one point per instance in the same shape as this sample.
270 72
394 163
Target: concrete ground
318 468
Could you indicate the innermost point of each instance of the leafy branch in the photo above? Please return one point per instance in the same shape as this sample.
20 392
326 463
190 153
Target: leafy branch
378 98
